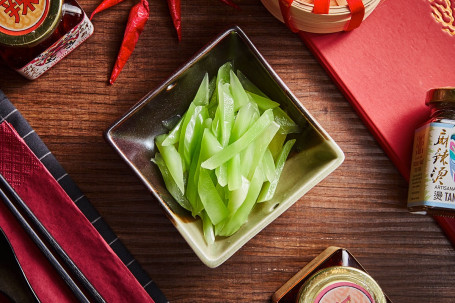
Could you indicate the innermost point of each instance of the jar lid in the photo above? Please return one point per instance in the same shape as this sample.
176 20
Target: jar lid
341 284
26 22
443 94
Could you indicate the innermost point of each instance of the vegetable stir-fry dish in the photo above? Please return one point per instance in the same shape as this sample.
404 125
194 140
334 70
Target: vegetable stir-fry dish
226 153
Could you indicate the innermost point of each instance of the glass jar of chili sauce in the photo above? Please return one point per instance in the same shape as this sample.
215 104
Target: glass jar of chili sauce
37 34
432 177
333 276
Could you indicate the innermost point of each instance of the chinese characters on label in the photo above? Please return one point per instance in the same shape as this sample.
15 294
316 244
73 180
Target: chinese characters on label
431 181
440 162
17 8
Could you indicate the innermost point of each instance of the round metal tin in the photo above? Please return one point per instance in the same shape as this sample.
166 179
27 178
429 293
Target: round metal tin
27 22
341 284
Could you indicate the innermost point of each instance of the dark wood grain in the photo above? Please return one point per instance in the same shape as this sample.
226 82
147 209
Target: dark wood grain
361 206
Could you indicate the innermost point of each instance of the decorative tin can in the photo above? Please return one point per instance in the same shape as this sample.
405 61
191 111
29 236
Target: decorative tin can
333 276
432 179
340 284
36 34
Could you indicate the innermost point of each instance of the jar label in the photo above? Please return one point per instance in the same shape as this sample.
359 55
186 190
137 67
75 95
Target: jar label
58 50
20 17
344 292
432 180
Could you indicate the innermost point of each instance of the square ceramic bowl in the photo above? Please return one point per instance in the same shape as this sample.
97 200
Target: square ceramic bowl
314 157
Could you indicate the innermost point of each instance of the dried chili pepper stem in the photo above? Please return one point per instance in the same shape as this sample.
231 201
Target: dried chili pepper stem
104 5
137 19
174 8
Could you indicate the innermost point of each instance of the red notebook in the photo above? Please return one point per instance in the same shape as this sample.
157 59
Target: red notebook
385 67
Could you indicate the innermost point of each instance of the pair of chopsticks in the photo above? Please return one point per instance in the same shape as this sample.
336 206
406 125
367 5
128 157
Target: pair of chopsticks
37 232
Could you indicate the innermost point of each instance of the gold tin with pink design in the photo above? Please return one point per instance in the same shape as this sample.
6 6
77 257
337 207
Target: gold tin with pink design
36 34
341 284
333 276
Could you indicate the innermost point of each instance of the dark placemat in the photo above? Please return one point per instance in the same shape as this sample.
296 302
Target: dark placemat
9 113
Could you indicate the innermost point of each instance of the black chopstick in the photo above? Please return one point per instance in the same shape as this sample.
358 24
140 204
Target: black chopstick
4 185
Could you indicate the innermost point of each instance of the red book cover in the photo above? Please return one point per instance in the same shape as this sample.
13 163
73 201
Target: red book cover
386 66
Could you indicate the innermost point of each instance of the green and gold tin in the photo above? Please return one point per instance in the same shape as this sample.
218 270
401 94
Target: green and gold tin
27 22
341 284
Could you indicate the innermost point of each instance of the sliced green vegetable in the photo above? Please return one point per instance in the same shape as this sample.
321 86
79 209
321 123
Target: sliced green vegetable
208 228
222 174
268 165
213 101
216 128
209 147
277 144
213 203
199 207
234 174
246 159
223 74
236 197
261 144
239 94
287 125
173 161
191 185
250 135
191 133
226 112
219 227
212 87
208 123
170 183
174 135
203 93
241 215
187 132
269 188
262 102
247 115
221 191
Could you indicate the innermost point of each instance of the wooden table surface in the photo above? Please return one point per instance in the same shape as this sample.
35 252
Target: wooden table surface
361 206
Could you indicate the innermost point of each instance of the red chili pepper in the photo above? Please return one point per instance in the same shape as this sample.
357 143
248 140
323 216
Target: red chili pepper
174 8
230 3
137 19
104 5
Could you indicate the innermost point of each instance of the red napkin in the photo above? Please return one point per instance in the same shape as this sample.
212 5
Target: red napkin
66 223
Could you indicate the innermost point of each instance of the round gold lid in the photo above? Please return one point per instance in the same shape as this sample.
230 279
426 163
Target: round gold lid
341 284
443 94
26 22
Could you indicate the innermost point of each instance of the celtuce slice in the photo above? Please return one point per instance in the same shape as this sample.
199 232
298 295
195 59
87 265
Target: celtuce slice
213 203
250 135
238 92
268 165
241 215
173 161
170 183
269 187
262 102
